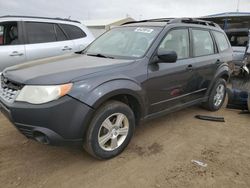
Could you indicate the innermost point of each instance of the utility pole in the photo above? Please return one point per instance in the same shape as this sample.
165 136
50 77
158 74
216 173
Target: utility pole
238 6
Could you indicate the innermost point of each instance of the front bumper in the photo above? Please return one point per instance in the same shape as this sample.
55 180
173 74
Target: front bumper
61 121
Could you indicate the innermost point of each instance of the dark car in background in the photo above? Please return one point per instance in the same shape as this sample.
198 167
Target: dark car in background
239 39
237 26
136 72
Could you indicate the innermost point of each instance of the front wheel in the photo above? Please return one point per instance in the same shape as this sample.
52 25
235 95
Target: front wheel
217 96
110 131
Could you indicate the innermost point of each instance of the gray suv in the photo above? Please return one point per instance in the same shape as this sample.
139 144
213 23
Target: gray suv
24 39
136 72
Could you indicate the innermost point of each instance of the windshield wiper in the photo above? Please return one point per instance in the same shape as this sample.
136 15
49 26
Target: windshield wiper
100 55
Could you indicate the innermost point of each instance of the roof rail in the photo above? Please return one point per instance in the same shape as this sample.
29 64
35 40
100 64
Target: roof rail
160 19
149 20
193 21
37 17
177 20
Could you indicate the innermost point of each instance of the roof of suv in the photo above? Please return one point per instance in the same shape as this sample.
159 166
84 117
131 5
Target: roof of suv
38 18
162 22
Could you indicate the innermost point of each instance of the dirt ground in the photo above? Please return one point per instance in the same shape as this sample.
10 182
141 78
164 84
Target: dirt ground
159 155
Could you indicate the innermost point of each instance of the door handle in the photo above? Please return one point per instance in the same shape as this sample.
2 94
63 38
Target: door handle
16 53
65 48
189 67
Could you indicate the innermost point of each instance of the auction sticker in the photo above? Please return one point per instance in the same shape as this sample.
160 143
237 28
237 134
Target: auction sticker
143 30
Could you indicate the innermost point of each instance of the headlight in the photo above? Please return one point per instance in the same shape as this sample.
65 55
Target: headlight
42 94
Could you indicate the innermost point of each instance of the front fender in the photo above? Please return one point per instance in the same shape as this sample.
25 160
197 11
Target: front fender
94 96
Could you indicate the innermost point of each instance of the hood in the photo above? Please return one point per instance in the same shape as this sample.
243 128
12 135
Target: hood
61 69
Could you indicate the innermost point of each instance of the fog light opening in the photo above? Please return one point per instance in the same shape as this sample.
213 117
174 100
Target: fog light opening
40 137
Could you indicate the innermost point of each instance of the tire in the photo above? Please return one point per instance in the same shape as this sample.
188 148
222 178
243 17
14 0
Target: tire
219 90
107 137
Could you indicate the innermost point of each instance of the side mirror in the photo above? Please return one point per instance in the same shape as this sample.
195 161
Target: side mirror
167 56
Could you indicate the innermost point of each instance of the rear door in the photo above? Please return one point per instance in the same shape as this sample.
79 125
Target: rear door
46 40
224 47
12 51
206 59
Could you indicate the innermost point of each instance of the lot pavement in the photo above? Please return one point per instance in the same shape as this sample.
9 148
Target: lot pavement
159 155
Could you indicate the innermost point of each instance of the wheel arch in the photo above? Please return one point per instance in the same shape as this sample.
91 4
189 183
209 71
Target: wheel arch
127 97
126 91
223 73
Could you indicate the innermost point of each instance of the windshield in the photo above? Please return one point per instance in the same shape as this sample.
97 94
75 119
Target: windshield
124 42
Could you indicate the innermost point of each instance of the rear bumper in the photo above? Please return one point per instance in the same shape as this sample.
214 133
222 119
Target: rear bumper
58 122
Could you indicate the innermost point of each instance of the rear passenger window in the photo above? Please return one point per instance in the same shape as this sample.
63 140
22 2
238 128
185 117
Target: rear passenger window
73 32
40 32
59 34
221 41
178 41
202 43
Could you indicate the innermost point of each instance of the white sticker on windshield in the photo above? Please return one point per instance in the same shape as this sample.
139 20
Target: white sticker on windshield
144 30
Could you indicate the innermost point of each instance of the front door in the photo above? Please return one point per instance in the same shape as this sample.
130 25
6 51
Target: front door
12 51
168 84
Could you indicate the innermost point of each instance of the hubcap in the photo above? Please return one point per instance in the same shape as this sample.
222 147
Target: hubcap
219 96
113 132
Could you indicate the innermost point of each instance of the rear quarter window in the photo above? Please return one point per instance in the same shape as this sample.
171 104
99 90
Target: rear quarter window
221 41
73 32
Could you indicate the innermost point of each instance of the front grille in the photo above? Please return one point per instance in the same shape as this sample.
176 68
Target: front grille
8 95
8 90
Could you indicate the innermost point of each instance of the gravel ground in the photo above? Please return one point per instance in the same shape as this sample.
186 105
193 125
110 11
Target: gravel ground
159 155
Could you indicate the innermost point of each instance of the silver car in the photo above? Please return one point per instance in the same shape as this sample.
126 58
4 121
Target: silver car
29 38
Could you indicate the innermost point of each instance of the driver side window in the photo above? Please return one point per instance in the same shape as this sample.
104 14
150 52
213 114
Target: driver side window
178 41
9 33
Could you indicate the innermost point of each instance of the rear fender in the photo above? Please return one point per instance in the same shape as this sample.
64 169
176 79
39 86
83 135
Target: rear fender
222 72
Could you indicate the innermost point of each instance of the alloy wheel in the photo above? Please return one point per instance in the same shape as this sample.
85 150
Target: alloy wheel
113 132
219 96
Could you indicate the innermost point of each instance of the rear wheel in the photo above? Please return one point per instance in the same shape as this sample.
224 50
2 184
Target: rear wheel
110 130
217 96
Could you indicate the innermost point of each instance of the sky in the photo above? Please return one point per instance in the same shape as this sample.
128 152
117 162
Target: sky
106 9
